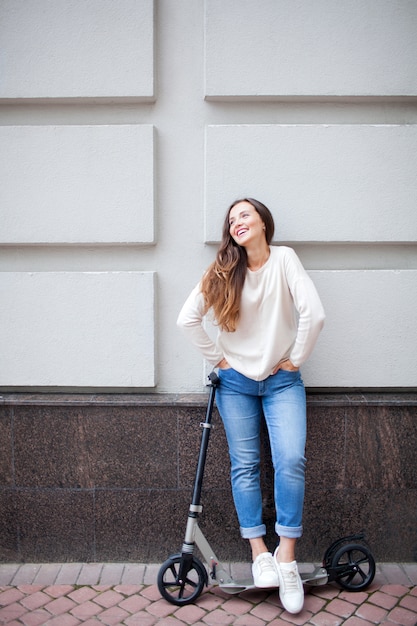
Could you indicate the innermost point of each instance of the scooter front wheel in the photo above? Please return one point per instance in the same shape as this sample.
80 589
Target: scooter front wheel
181 590
353 566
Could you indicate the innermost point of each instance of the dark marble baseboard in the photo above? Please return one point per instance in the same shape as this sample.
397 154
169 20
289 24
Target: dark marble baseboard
108 477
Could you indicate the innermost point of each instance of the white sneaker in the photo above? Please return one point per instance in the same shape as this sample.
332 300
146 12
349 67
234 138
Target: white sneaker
291 591
264 571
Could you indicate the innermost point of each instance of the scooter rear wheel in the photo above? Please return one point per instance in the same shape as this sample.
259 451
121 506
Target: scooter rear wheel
181 592
354 566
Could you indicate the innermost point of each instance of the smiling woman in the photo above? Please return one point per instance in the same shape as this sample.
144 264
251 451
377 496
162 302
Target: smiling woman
269 317
248 229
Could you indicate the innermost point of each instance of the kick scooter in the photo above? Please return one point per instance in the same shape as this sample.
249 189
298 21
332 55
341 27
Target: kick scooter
182 577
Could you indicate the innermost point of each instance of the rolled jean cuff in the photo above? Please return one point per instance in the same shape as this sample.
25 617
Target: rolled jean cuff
292 532
253 533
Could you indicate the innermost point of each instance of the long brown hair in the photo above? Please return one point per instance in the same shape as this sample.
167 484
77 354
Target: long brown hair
223 282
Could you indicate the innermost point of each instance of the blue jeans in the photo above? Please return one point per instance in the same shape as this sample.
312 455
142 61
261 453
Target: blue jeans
281 399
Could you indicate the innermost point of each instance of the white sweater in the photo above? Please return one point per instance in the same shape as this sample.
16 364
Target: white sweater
280 318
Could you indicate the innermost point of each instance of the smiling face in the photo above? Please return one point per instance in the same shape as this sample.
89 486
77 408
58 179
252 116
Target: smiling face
245 225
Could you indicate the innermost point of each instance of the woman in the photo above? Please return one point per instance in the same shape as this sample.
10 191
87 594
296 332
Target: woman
269 316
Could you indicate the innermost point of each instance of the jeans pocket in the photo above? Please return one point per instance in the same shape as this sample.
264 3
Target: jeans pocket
224 371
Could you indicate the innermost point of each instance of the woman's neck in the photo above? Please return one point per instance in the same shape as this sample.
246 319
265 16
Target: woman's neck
258 257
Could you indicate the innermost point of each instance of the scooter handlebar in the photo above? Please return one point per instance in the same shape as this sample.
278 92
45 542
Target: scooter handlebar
214 379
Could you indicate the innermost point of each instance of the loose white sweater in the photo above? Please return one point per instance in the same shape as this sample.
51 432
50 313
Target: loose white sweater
280 318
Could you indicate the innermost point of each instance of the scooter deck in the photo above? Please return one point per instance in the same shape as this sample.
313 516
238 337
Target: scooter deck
237 586
312 579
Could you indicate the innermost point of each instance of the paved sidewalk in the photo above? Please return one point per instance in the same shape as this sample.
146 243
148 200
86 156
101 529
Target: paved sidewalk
68 594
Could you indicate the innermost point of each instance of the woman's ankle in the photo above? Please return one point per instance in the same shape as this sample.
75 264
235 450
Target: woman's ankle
258 547
285 553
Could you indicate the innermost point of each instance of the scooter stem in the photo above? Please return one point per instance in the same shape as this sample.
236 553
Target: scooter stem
195 506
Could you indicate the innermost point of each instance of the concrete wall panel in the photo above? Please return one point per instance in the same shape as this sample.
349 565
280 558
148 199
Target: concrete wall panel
85 329
77 184
323 182
66 49
290 48
368 340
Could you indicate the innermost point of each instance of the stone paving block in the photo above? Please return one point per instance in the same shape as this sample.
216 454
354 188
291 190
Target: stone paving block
60 605
341 608
133 574
209 601
47 573
190 614
402 617
134 603
313 603
8 596
7 572
395 590
381 577
113 615
411 571
266 611
327 592
218 617
86 609
326 619
161 608
299 619
36 618
355 598
90 574
382 599
82 594
170 621
68 574
109 598
56 591
112 573
11 611
409 602
150 574
64 620
372 613
167 621
35 600
237 606
248 620
144 619
395 571
152 593
25 574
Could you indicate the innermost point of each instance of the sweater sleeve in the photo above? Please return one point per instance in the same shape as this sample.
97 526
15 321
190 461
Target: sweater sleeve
190 321
310 310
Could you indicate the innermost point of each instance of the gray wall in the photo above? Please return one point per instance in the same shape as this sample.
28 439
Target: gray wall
127 128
